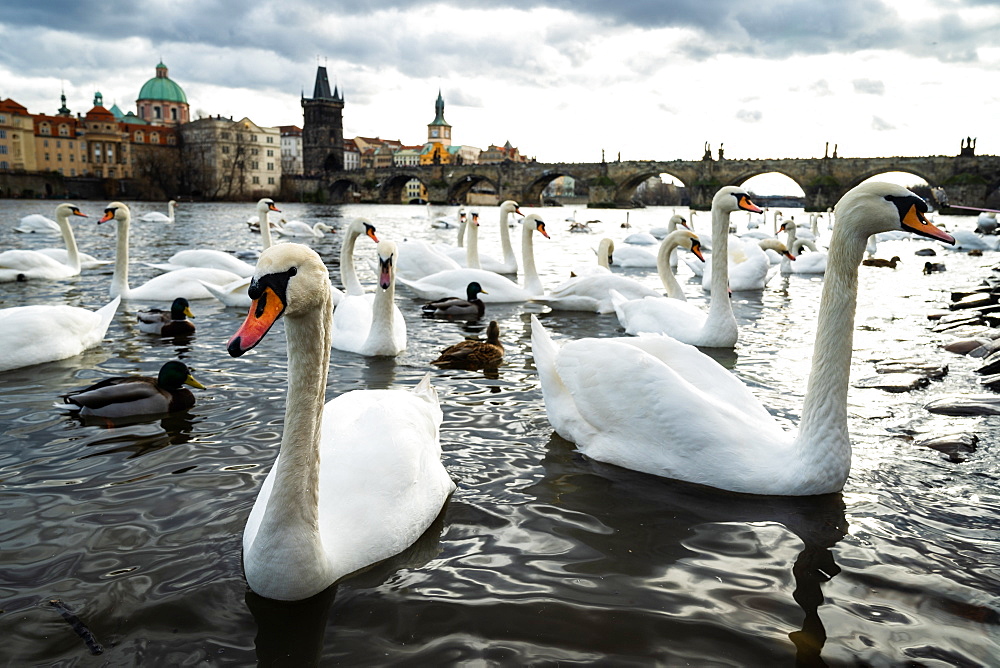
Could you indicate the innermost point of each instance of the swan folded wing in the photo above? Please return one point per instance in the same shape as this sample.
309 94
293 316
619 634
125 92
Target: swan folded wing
28 260
623 387
352 322
385 484
44 333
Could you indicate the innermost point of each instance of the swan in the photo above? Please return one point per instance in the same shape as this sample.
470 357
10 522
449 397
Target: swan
749 267
444 223
296 228
656 405
373 327
157 217
19 265
661 232
686 322
496 288
36 223
48 332
605 258
630 256
187 283
234 293
509 263
813 262
641 239
355 481
418 258
131 396
969 240
592 292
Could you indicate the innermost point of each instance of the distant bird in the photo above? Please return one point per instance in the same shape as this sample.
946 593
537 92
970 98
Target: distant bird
130 396
474 354
157 217
879 262
933 267
168 323
471 305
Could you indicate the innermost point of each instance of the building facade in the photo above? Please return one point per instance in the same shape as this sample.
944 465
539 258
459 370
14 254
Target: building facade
322 128
438 130
230 159
17 137
291 149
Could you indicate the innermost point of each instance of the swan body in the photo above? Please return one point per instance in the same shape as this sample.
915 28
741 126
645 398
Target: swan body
447 224
418 258
605 258
656 405
749 267
641 239
296 228
36 223
497 288
678 319
969 240
131 396
208 258
356 480
168 323
471 305
187 283
157 217
87 261
45 333
19 265
374 327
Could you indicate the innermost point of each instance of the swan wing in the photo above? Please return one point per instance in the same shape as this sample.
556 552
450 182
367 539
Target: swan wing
188 282
45 333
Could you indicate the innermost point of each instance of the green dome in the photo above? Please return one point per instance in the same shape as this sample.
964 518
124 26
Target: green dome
161 87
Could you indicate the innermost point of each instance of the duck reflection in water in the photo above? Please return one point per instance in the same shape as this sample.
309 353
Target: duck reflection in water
683 549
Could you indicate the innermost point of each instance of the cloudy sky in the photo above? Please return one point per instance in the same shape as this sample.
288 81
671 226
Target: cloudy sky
560 79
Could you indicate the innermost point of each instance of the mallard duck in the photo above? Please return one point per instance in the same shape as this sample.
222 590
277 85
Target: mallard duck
128 396
471 305
879 262
932 267
474 354
168 323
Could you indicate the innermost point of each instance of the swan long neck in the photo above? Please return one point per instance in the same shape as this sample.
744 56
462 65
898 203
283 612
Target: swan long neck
472 245
265 228
170 210
348 276
119 280
509 257
380 336
72 252
532 283
721 307
460 242
670 284
289 534
823 431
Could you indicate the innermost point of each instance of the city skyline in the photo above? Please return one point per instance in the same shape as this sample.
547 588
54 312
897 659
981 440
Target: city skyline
561 81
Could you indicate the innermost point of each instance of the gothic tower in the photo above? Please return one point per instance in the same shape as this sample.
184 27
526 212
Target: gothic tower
438 131
322 128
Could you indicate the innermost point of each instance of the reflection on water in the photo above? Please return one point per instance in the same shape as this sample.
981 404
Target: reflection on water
541 556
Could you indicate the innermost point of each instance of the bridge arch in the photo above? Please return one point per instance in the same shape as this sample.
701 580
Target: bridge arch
392 188
532 191
459 190
625 193
344 190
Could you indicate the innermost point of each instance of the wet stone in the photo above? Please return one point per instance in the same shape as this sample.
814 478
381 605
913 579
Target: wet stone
894 382
913 365
973 301
971 404
964 346
954 446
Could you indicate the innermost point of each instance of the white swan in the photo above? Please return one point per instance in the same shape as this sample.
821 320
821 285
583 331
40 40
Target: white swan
188 283
418 258
157 217
374 327
656 405
641 239
509 263
749 267
355 481
813 262
45 333
661 232
686 322
296 228
605 257
446 224
496 288
36 223
18 265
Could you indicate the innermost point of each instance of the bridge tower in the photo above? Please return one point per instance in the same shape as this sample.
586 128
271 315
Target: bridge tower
322 128
439 131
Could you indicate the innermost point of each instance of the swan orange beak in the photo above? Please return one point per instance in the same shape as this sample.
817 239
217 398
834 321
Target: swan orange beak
273 208
264 312
747 205
108 215
915 221
77 212
541 228
370 232
696 249
789 255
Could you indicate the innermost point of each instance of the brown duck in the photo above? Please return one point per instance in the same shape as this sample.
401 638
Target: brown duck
474 354
879 262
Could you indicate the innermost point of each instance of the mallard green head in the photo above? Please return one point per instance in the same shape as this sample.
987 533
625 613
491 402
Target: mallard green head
173 374
180 308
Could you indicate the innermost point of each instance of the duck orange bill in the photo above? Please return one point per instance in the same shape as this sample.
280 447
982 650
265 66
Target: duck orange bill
264 312
915 221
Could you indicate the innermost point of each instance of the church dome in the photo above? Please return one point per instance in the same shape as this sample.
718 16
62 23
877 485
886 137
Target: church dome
161 87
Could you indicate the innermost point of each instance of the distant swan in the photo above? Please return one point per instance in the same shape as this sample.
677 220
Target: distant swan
656 405
296 228
373 327
157 217
18 265
356 481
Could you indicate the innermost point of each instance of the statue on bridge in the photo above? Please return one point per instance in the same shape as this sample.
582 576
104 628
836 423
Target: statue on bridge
708 152
969 146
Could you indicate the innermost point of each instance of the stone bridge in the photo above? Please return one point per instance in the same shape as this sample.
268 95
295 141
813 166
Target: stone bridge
968 179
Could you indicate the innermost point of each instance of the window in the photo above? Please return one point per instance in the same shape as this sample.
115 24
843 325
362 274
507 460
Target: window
45 143
157 112
173 113
154 137
270 180
58 143
225 149
71 156
3 133
60 170
3 163
139 138
59 158
256 179
45 129
270 152
270 166
254 151
64 130
72 172
270 140
3 149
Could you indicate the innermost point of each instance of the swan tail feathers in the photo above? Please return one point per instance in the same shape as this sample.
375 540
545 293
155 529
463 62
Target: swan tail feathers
107 313
425 390
618 303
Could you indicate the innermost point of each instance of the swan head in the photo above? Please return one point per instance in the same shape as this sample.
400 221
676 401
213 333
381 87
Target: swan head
363 226
290 280
473 290
690 240
606 248
386 263
264 205
734 198
509 207
66 210
115 211
876 206
475 218
678 219
535 221
323 227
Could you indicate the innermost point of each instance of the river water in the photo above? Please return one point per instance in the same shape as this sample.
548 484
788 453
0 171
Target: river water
541 556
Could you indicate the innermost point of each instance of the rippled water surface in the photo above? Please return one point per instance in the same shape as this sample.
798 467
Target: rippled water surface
541 556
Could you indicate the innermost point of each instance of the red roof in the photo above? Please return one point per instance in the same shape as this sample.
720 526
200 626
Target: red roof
12 107
100 114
